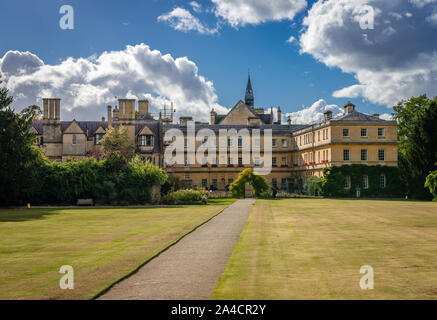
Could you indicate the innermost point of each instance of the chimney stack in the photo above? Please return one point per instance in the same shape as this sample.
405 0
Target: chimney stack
289 120
349 108
271 116
184 121
109 116
328 115
376 115
213 114
52 109
143 108
103 119
279 115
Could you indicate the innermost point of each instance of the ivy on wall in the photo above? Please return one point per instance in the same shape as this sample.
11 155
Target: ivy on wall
333 181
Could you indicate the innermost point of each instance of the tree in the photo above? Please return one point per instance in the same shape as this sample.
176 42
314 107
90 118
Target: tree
18 156
431 184
417 137
313 186
117 140
247 176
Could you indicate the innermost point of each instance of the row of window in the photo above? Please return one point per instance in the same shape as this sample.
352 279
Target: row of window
381 132
143 141
283 183
231 161
257 143
365 182
364 155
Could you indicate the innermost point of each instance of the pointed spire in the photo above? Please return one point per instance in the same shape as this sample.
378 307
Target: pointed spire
249 99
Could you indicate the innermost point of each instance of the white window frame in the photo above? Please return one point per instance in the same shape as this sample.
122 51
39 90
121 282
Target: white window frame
348 155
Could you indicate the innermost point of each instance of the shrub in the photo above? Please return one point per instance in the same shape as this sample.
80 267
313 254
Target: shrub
431 184
185 197
247 176
313 186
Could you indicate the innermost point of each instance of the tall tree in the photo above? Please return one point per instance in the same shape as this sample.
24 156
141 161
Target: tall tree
17 155
117 140
417 136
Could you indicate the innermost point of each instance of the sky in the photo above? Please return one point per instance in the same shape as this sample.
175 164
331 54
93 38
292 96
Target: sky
304 56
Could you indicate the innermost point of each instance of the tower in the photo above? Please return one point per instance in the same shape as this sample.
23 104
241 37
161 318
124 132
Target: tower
249 100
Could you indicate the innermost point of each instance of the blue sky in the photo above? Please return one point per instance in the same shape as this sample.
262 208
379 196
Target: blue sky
281 74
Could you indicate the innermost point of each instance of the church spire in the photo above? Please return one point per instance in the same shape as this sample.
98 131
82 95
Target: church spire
249 100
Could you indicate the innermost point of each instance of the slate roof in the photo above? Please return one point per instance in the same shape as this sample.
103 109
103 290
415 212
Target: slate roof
357 116
277 128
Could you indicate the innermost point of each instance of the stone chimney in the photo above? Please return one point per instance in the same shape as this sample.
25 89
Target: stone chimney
213 115
183 121
376 115
51 109
279 115
103 119
271 116
143 107
328 115
349 108
126 109
109 116
289 120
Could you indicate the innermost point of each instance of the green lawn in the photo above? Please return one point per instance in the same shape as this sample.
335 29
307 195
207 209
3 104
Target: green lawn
314 248
101 244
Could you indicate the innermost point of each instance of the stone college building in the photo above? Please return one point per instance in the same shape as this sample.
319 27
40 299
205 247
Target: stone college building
298 151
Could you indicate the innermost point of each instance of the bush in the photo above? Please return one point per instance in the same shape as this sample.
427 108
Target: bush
259 184
431 184
104 181
313 186
332 182
186 197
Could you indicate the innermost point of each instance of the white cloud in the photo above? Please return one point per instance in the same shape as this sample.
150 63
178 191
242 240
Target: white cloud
241 12
389 63
291 39
432 19
386 116
182 20
197 7
87 85
314 113
422 3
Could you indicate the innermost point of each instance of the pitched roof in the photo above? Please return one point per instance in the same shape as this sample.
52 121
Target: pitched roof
357 116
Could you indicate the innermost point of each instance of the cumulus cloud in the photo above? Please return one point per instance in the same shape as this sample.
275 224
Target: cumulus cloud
314 113
182 20
395 60
241 12
87 85
197 7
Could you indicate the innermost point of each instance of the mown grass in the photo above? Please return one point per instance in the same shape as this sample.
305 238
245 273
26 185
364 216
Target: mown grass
313 249
101 244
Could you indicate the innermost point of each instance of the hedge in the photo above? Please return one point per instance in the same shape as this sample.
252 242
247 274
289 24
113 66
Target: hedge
332 182
105 181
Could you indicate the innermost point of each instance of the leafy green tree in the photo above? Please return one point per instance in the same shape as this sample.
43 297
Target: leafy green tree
18 157
247 176
431 184
417 137
117 140
313 186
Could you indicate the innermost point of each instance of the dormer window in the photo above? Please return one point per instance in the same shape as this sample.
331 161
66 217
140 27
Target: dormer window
145 141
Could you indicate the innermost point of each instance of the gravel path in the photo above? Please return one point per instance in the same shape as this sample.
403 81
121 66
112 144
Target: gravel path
191 268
